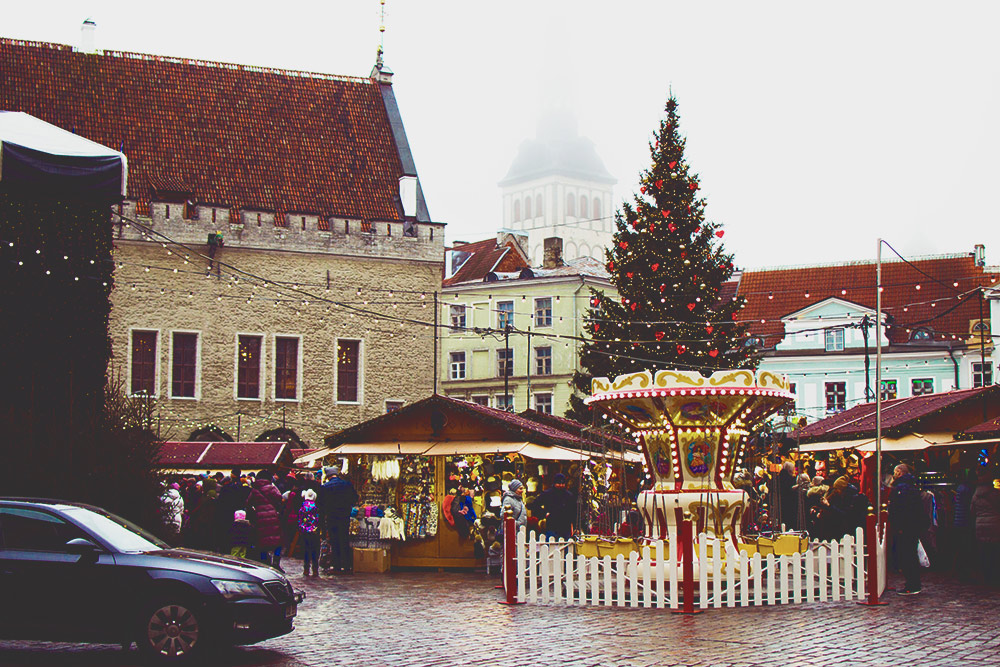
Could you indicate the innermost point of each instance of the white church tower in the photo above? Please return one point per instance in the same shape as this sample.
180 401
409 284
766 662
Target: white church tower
558 186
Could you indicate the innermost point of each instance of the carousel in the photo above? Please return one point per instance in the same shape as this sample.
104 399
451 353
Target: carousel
693 432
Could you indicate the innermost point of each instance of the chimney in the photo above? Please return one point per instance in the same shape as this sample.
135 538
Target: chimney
88 37
979 254
552 253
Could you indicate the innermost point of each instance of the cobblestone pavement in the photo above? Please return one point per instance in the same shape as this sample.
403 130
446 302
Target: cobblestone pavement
453 618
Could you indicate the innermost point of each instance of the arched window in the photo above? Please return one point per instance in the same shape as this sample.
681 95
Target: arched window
584 250
597 209
527 207
517 210
570 205
583 206
538 206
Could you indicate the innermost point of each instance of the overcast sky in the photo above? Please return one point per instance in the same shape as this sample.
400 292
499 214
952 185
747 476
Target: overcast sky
816 127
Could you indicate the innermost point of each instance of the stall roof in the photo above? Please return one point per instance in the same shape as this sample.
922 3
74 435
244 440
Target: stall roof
380 448
220 455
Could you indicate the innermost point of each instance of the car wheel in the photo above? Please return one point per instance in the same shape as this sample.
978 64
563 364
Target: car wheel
172 631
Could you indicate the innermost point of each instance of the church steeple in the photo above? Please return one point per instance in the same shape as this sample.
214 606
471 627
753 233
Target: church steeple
381 73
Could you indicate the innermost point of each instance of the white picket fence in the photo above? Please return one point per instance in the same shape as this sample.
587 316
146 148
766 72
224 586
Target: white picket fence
550 572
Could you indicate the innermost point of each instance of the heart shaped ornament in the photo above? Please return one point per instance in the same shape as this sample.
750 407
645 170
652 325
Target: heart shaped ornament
628 275
691 306
659 184
635 305
713 353
666 214
720 233
672 227
681 349
643 189
709 329
673 164
663 288
659 335
655 266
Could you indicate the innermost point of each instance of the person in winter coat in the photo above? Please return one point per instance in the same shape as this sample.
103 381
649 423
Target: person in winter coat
201 519
240 535
788 496
908 520
558 507
816 520
232 497
172 513
264 512
513 499
336 499
291 501
846 510
308 526
462 512
985 513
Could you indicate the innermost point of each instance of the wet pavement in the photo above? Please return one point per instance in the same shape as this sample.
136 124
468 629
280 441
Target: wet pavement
453 618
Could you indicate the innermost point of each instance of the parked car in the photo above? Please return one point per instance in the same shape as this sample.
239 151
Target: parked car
73 572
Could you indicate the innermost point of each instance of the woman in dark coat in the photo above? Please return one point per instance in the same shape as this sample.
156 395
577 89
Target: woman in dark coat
201 521
264 512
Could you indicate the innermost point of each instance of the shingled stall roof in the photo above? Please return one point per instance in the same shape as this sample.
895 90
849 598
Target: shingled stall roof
439 424
944 415
203 456
240 136
772 294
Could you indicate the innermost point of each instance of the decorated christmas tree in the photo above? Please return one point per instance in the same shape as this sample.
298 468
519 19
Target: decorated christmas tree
669 266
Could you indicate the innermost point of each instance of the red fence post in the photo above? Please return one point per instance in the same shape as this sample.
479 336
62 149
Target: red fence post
686 551
871 546
509 560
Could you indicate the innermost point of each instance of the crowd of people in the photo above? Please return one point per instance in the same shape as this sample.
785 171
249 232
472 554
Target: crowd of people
263 516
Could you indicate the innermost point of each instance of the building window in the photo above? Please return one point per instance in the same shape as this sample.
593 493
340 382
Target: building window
248 367
921 334
527 207
538 205
543 403
392 406
889 390
920 387
286 368
505 314
836 396
583 206
517 210
505 362
457 365
834 340
505 402
457 315
788 409
348 370
185 365
543 360
570 205
597 211
982 374
144 362
543 312
481 399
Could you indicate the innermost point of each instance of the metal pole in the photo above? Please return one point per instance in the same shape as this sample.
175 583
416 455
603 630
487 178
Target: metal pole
982 351
239 423
435 339
878 379
527 355
506 368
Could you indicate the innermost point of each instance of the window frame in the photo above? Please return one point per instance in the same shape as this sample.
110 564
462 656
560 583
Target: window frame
543 365
913 386
452 307
261 366
551 401
504 317
397 402
484 399
570 205
842 394
985 372
155 362
360 372
505 354
298 368
451 365
196 381
835 333
538 323
886 383
499 396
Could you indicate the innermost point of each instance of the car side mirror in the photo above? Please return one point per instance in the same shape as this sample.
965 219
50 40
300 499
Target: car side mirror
83 547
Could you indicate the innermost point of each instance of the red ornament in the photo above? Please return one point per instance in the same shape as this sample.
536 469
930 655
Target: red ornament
623 244
659 335
697 230
672 227
734 316
643 189
720 233
655 266
681 349
708 329
659 184
595 302
683 254
673 164
628 275
691 306
663 288
713 353
597 327
689 209
666 214
635 223
635 305
611 266
652 226
692 187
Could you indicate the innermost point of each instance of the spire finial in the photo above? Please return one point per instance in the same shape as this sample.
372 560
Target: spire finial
381 36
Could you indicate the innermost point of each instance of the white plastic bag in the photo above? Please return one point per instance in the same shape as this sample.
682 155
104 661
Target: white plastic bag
922 555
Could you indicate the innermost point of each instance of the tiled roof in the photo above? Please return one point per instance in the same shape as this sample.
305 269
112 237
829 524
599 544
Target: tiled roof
577 429
221 454
775 293
987 428
232 135
897 414
485 256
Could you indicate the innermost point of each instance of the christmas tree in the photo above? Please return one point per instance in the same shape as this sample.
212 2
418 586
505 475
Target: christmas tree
669 265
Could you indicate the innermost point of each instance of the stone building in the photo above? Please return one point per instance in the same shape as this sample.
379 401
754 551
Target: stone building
558 186
275 262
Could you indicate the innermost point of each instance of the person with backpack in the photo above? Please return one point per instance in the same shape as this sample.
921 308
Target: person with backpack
308 519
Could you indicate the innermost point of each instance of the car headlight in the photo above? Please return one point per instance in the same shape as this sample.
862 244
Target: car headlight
238 589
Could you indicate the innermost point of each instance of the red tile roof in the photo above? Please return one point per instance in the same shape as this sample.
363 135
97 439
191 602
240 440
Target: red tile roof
902 414
775 293
232 135
987 428
485 256
211 455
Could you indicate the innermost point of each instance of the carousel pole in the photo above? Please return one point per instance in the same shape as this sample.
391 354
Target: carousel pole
509 560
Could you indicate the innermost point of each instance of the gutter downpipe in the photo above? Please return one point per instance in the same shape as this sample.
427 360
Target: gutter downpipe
878 380
954 361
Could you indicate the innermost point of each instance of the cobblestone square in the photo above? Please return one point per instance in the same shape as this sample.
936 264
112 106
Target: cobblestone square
453 618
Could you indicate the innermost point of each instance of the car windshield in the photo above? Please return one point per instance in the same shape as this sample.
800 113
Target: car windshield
122 535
